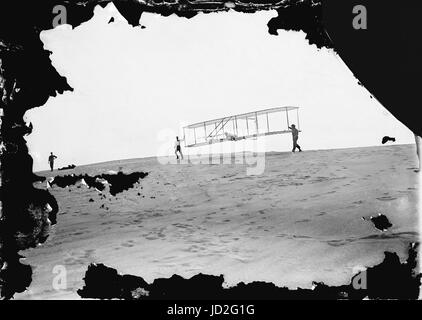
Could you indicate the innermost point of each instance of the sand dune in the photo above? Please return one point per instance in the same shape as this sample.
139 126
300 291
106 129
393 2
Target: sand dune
298 222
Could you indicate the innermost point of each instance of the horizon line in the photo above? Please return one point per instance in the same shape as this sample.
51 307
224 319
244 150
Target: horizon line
247 151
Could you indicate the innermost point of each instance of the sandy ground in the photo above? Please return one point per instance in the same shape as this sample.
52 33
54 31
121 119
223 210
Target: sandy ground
298 222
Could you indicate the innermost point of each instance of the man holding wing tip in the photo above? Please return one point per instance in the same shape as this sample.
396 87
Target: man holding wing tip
295 134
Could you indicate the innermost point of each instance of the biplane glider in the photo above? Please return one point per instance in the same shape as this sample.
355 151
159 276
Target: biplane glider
249 125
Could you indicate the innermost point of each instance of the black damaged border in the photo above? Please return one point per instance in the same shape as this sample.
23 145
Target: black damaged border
28 79
390 279
118 182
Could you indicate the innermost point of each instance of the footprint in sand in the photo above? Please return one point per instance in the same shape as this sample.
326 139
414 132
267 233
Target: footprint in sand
303 221
161 235
77 233
301 237
386 198
88 253
78 258
193 249
127 244
282 235
336 243
151 238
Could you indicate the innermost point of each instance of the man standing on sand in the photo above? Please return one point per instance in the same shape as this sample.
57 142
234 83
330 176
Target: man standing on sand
177 148
295 134
51 160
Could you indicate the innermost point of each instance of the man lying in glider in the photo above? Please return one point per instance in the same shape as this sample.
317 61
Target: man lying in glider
230 137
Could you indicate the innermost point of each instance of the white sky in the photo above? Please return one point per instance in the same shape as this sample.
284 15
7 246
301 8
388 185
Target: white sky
135 86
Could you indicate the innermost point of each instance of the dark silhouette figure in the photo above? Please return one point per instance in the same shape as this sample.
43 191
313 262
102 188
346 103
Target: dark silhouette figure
178 149
386 139
51 160
295 134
